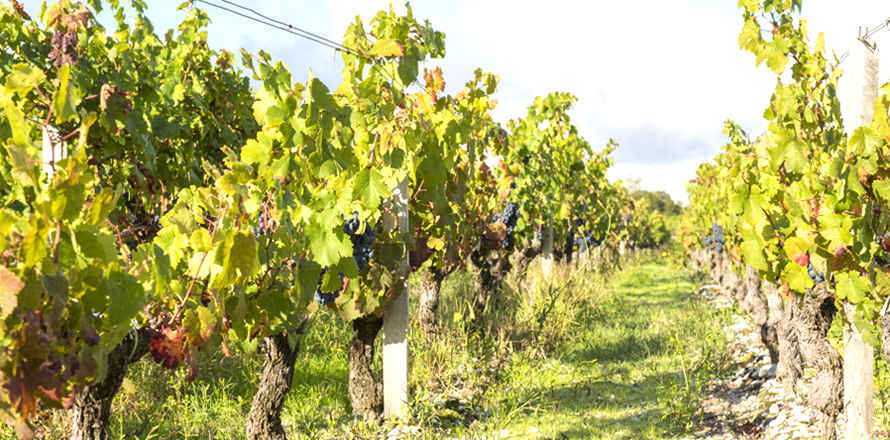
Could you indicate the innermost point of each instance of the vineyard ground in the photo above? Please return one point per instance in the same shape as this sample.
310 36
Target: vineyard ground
622 358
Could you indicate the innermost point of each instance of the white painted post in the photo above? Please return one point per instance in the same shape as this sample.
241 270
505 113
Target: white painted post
54 150
395 326
547 258
858 355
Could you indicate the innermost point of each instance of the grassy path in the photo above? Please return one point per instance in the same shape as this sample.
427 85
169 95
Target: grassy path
635 373
631 358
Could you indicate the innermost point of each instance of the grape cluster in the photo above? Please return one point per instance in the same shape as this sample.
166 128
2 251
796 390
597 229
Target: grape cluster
64 48
362 244
325 298
508 217
144 224
586 241
262 226
817 278
715 240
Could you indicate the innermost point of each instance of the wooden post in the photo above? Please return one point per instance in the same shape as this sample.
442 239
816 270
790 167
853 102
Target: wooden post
395 326
858 355
53 150
547 258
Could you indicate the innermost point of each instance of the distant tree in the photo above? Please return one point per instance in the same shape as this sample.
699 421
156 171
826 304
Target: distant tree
659 201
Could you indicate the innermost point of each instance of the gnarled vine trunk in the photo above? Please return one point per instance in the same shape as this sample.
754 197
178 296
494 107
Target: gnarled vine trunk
91 411
827 389
523 258
264 419
430 288
365 392
783 313
760 311
489 270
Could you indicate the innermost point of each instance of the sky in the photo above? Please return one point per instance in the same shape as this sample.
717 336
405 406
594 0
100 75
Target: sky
659 77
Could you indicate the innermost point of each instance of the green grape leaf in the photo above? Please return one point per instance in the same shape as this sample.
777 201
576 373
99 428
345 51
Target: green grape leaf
66 99
23 78
864 141
236 255
173 243
257 153
789 151
750 203
369 188
34 247
328 247
200 241
200 325
752 249
851 288
101 206
797 277
125 296
21 134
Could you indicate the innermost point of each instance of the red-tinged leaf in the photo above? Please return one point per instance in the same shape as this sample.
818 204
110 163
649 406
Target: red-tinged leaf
786 291
802 259
28 385
225 349
10 286
168 348
841 250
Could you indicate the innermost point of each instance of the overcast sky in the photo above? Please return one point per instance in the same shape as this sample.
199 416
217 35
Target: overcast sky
660 77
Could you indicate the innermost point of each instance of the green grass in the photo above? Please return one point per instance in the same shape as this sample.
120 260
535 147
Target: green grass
580 357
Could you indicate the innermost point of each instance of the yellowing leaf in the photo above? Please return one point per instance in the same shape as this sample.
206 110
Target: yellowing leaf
387 48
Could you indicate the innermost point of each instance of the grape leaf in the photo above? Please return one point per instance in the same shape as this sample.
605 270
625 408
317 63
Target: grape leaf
66 99
23 78
10 286
369 188
387 48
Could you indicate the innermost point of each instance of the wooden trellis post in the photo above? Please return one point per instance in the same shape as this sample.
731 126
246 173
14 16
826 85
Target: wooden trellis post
53 150
547 251
858 355
395 326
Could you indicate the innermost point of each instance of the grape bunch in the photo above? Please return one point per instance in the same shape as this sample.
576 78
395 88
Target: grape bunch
717 231
64 48
262 226
508 217
586 241
362 244
817 278
325 298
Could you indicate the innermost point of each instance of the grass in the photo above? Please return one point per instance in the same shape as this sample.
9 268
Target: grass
583 356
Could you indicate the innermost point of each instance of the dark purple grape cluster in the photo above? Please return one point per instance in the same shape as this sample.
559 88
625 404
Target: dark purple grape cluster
64 49
586 241
509 217
816 277
326 298
362 244
716 239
